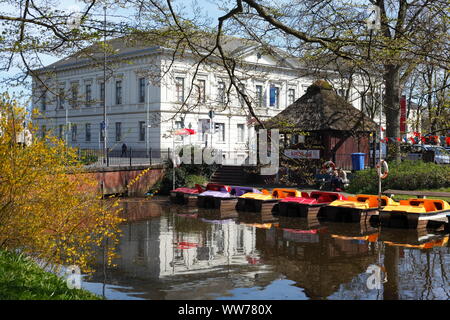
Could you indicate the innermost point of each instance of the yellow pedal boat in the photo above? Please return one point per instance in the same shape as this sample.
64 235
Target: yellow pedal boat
414 213
355 209
262 202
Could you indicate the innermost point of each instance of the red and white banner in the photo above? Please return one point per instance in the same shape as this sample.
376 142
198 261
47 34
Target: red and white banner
403 114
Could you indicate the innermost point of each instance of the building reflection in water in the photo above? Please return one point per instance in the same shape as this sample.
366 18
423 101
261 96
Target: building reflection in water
167 254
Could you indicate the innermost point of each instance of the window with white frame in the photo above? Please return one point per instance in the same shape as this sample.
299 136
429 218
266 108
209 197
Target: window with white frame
74 131
119 92
87 128
240 97
102 92
141 90
118 131
61 131
221 92
74 95
141 130
102 132
178 125
203 129
259 96
44 100
291 96
179 89
61 94
274 96
219 129
201 91
240 132
88 93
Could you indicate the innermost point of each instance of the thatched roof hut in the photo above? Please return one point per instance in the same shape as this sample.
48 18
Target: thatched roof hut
319 109
331 124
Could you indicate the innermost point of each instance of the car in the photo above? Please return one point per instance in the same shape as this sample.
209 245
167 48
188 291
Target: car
441 155
416 151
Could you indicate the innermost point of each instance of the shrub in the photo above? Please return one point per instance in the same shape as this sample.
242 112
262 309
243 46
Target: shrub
407 175
185 175
192 180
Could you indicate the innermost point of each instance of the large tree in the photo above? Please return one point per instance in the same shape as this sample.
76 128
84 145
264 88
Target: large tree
412 33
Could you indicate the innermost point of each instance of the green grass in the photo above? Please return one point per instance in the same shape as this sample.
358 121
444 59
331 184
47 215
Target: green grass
404 197
23 279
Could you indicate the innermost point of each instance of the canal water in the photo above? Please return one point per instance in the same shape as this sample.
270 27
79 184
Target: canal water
173 252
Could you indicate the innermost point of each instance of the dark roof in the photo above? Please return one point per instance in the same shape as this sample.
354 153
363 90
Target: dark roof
143 43
321 109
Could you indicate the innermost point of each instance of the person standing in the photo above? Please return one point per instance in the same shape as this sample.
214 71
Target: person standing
124 150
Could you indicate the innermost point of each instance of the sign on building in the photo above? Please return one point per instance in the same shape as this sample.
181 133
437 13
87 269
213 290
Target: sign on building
302 154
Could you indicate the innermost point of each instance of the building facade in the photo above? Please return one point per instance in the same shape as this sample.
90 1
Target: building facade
149 95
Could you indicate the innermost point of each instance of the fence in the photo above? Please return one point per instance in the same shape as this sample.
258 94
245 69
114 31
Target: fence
117 158
132 157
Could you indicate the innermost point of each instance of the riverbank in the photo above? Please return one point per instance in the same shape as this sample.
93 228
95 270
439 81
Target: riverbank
23 279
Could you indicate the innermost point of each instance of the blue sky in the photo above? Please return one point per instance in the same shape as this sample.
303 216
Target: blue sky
23 92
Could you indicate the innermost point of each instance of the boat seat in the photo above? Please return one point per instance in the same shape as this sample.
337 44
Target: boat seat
325 196
429 204
372 200
283 193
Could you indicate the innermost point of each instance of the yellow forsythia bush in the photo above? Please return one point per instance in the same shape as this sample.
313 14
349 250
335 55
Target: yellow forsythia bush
47 209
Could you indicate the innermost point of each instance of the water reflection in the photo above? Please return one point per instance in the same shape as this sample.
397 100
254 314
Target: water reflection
171 252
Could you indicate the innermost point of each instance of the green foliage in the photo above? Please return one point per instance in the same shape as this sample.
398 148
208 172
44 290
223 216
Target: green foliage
87 158
192 180
407 175
22 279
185 175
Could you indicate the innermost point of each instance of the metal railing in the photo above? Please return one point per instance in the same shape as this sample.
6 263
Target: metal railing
137 157
126 158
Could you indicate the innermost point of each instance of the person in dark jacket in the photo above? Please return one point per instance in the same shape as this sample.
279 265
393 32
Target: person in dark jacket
124 150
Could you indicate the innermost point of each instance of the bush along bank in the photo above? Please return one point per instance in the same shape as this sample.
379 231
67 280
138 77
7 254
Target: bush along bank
406 175
22 279
186 175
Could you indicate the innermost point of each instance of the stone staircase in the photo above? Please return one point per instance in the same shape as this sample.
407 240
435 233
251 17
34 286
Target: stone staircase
230 175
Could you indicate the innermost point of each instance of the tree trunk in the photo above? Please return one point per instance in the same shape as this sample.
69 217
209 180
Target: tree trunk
392 110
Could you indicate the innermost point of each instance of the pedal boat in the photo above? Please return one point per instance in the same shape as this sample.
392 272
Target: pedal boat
308 205
205 199
414 213
355 209
186 196
264 202
225 203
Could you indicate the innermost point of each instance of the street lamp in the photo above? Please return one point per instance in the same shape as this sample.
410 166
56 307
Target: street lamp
104 125
148 126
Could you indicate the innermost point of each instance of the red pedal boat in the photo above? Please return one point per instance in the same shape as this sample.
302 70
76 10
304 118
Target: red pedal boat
308 205
186 195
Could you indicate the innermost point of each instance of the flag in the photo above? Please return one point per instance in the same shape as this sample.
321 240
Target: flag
184 132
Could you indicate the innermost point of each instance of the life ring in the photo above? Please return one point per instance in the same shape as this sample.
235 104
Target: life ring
329 164
385 174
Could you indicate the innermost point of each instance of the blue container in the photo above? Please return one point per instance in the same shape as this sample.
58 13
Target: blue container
358 161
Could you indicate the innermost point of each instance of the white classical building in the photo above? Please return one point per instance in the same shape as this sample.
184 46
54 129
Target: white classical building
145 91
